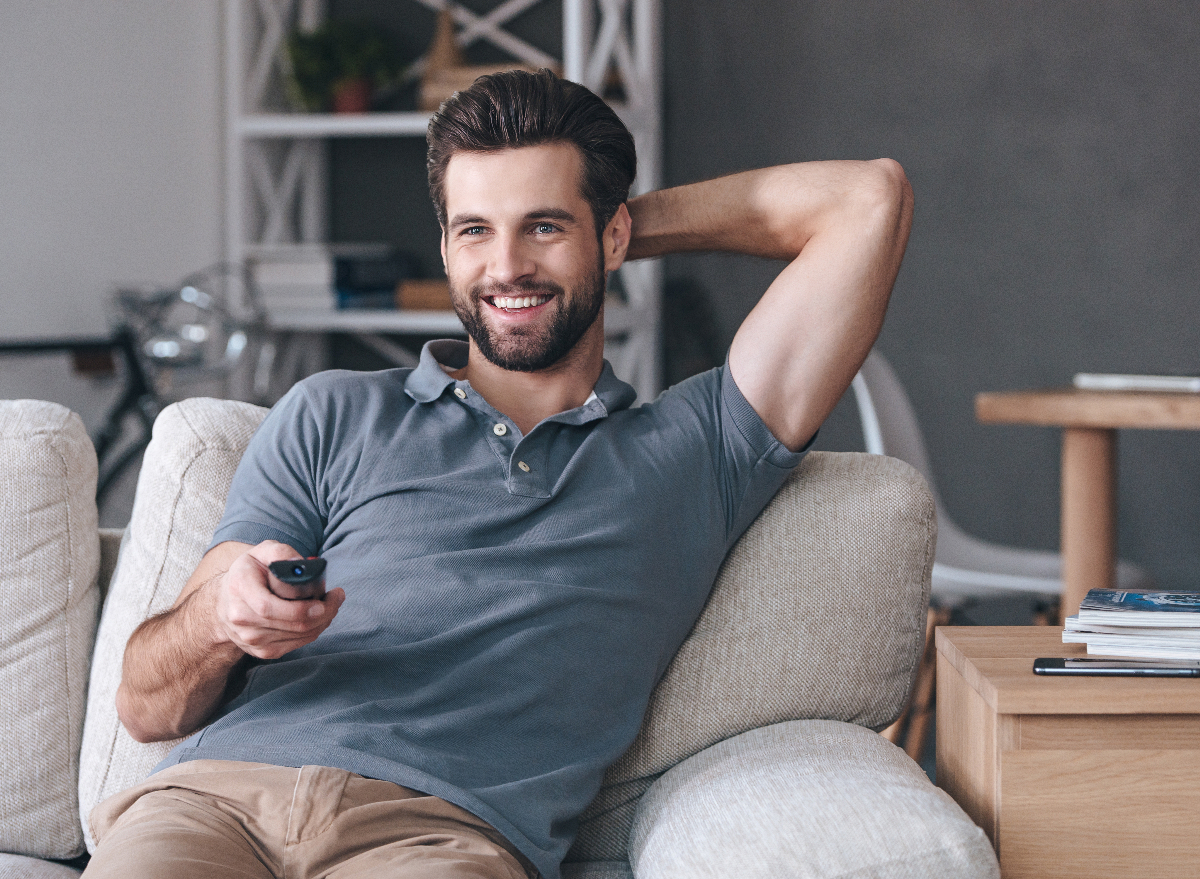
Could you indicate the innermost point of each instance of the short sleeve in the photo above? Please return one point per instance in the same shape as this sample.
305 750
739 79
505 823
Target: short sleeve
748 463
275 491
748 441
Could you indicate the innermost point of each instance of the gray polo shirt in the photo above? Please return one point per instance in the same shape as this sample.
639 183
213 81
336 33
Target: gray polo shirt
510 600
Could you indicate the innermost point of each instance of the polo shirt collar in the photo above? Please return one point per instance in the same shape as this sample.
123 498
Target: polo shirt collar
429 381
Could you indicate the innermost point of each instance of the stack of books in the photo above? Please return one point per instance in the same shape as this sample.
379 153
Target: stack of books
1137 625
294 278
324 277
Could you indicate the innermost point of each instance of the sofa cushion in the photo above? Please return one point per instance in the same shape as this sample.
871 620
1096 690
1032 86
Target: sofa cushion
807 799
48 562
818 612
18 867
195 448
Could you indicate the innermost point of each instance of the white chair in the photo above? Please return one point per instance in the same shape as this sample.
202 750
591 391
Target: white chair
965 568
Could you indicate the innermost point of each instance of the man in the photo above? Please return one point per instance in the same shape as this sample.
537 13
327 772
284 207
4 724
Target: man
514 552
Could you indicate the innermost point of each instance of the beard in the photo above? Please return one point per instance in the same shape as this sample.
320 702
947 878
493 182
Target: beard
532 348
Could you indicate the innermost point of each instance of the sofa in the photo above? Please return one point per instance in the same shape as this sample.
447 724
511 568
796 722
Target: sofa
759 754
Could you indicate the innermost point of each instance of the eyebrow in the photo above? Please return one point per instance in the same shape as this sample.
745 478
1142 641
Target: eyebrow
538 214
552 214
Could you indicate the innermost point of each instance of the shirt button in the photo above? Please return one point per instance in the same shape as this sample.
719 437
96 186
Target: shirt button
523 466
460 393
499 429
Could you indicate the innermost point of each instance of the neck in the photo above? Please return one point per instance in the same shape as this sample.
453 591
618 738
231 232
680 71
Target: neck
530 397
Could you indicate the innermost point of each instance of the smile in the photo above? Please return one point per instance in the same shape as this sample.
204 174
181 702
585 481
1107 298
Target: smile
517 303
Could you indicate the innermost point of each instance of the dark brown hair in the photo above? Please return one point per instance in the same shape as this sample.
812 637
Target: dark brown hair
517 109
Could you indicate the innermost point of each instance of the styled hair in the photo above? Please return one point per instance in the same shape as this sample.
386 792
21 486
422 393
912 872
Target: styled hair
517 109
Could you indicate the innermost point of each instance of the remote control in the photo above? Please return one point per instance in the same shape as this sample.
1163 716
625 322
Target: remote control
299 579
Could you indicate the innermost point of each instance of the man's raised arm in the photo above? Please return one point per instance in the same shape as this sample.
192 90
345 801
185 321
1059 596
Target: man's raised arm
179 664
843 226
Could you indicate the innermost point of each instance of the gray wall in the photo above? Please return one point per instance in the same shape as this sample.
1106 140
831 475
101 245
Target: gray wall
1053 152
110 155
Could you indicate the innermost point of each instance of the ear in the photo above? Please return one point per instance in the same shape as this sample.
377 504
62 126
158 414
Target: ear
616 239
445 268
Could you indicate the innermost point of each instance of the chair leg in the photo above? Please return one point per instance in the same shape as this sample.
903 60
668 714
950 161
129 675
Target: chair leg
911 729
1047 613
893 732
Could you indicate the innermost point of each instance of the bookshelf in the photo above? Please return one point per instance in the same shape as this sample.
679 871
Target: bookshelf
277 162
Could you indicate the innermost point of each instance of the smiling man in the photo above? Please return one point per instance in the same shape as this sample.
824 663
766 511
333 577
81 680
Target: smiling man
527 265
515 551
524 215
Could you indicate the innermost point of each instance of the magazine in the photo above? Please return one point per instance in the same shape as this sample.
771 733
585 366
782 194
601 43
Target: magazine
1153 609
1114 645
1137 625
1079 632
1133 645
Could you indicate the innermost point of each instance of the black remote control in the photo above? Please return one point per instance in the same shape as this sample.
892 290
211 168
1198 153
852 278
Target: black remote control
301 579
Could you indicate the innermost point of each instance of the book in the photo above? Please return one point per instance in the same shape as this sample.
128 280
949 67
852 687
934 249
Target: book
1118 647
1144 638
328 276
1137 625
1148 609
1103 381
1079 632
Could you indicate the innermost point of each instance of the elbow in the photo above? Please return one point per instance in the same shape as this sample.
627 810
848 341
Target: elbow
133 718
129 718
881 204
891 191
891 173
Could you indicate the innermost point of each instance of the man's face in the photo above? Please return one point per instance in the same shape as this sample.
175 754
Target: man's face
526 271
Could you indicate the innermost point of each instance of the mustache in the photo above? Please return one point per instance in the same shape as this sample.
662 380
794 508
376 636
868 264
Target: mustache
520 288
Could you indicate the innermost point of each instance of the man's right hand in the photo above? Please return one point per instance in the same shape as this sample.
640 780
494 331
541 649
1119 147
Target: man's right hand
178 664
258 621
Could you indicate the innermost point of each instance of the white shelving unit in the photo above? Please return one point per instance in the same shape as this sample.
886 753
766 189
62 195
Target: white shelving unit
277 162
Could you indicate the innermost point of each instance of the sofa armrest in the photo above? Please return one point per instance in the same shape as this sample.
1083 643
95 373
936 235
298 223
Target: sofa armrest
809 798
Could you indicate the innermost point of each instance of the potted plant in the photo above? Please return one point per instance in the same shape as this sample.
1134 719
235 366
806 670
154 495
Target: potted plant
339 66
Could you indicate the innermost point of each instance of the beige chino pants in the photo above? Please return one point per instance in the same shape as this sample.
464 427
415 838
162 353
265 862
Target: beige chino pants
217 818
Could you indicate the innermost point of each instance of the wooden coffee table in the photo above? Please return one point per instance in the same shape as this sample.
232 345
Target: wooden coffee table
1095 778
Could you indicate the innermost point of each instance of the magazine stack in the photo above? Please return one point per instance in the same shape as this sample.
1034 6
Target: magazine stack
1137 625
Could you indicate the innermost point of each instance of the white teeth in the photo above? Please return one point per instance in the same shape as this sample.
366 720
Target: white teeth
515 302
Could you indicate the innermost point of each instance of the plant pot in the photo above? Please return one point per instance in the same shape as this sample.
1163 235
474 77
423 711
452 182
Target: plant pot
352 95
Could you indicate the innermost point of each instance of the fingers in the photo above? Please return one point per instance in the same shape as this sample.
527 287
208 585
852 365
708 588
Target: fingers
258 621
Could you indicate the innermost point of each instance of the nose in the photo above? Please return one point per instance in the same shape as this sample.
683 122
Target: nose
510 260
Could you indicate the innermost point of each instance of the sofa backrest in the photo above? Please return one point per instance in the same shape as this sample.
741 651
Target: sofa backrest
49 553
195 447
817 612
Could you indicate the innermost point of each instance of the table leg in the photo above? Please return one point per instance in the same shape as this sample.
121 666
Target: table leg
1089 513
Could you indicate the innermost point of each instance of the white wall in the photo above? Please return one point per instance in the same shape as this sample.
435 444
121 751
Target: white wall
110 155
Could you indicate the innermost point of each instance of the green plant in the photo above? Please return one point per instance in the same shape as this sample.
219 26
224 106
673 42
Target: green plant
324 59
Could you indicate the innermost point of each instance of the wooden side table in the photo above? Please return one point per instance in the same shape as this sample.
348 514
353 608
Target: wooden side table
1095 778
1089 465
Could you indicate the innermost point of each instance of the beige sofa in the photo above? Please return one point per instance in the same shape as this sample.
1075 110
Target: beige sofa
756 759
